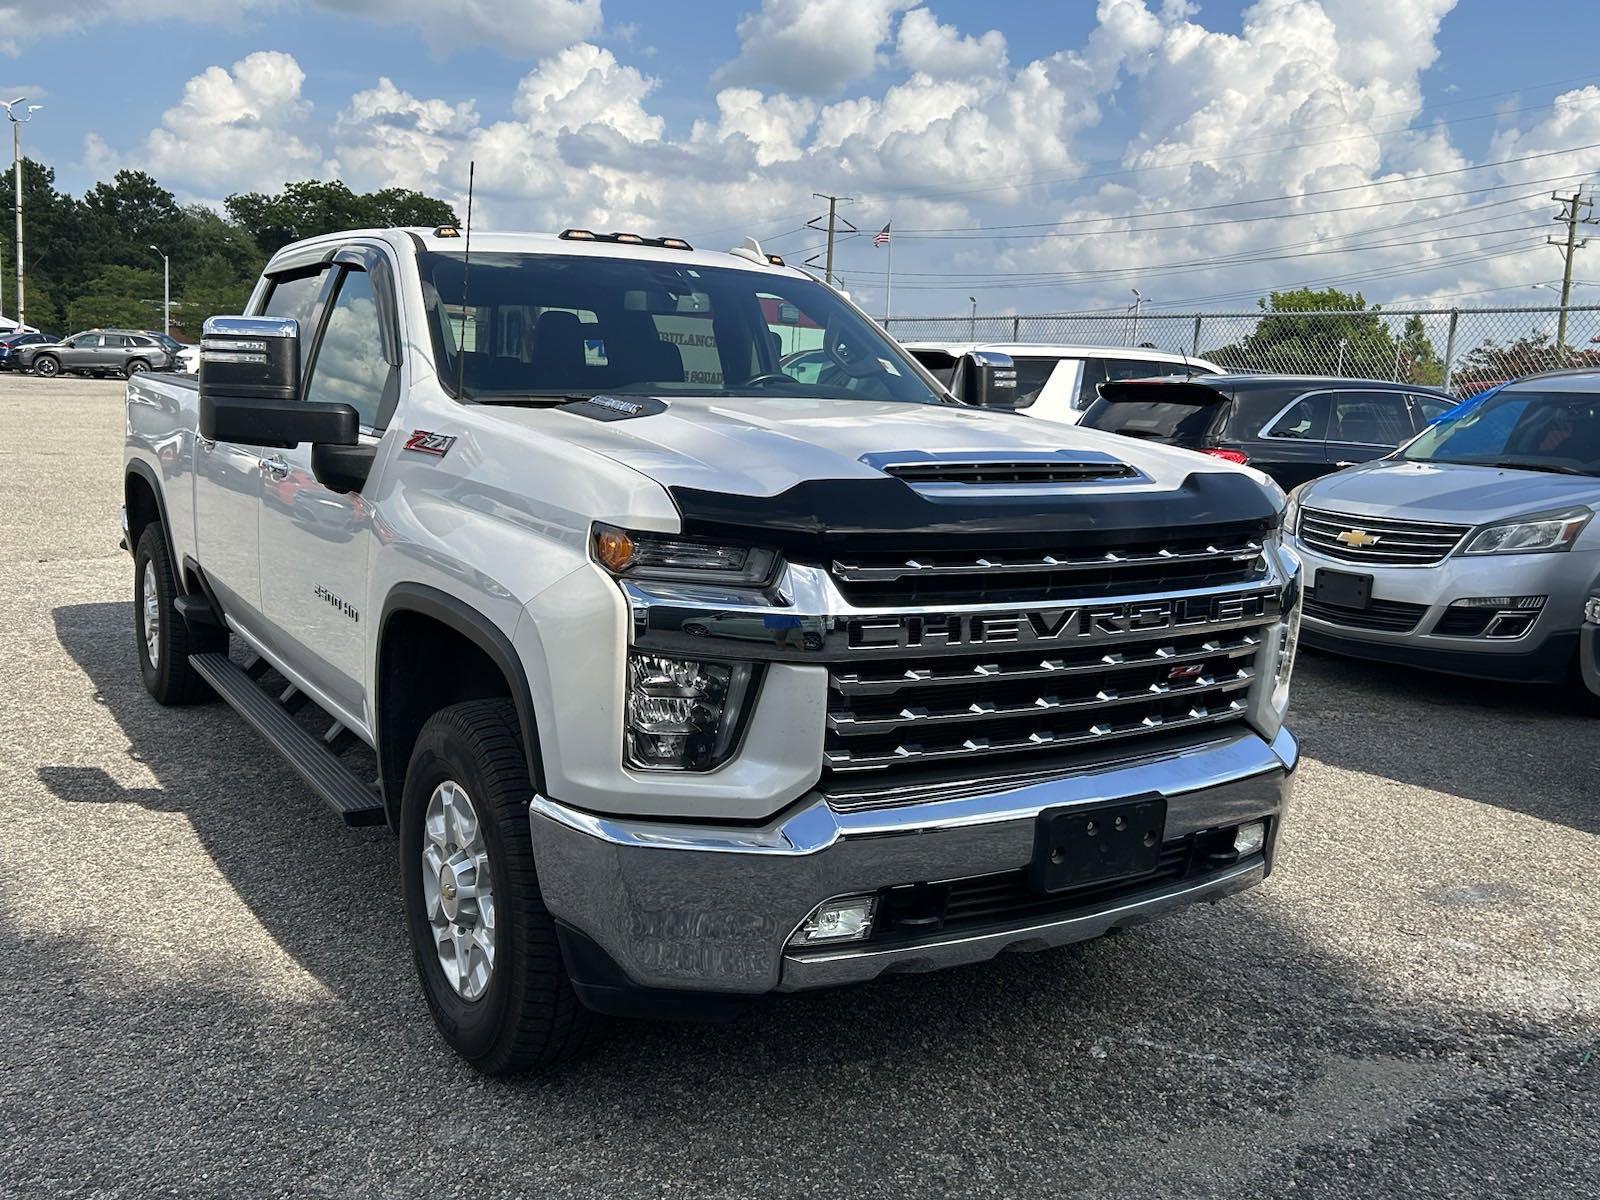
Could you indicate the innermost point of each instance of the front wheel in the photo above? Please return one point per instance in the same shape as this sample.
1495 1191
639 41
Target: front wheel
135 367
163 640
47 365
484 943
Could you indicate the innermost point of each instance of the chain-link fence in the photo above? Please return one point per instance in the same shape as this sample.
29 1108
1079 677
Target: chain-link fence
1462 350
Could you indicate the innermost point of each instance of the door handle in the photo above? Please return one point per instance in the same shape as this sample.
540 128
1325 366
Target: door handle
1346 463
275 466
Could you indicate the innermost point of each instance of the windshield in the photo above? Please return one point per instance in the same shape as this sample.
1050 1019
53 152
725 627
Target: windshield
564 326
1530 430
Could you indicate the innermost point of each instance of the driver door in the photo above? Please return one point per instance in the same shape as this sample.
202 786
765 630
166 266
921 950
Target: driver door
316 543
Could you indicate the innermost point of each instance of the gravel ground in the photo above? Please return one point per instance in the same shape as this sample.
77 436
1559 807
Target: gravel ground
208 991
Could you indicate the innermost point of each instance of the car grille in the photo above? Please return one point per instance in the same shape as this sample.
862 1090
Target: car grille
1398 543
992 710
1168 564
1392 616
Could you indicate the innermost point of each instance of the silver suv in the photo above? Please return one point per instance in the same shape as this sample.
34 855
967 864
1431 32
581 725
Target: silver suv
1471 549
97 352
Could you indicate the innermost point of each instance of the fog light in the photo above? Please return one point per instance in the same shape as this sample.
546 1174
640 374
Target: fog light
847 919
1591 610
1512 602
1248 839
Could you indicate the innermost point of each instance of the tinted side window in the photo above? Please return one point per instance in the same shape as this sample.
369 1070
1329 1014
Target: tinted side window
84 341
1305 420
1094 374
1369 418
350 367
1138 368
1429 408
1032 375
294 296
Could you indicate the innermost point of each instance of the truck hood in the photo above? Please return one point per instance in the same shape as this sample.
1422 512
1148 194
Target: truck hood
1450 493
814 466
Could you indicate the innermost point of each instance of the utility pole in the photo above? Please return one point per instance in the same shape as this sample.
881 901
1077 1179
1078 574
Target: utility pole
833 220
16 160
1571 209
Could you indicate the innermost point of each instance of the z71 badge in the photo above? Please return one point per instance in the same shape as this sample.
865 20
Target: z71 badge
424 442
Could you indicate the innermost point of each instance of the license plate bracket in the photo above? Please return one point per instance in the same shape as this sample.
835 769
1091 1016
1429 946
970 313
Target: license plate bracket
1077 846
1344 589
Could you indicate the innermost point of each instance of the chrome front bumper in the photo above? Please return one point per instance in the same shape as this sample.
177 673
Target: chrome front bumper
711 908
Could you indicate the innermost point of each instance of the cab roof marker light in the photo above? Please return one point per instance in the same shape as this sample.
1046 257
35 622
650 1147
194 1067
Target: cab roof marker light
578 235
775 260
447 231
631 239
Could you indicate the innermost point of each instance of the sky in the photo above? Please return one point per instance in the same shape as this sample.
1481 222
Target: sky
1037 156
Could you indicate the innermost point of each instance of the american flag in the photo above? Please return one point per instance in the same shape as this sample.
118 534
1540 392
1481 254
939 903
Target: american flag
881 237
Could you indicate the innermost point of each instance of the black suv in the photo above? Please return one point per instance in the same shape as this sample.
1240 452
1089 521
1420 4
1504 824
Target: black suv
1293 427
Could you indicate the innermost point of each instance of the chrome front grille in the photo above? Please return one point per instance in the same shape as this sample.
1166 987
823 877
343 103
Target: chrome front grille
1378 540
1019 706
1033 574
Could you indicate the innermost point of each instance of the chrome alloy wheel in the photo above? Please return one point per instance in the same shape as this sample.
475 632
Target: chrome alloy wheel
152 615
458 890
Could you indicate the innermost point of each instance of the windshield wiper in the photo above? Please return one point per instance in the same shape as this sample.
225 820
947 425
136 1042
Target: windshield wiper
1534 464
533 398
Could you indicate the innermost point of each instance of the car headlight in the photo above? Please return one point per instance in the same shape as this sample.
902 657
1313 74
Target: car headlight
662 556
1540 533
683 715
1269 696
1291 513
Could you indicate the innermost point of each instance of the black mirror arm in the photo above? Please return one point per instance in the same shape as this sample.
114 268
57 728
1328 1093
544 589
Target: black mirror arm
343 468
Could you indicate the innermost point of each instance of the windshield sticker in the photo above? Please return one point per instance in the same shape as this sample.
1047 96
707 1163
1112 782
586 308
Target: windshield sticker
594 352
889 366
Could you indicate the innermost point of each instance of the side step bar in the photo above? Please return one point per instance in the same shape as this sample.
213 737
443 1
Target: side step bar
345 793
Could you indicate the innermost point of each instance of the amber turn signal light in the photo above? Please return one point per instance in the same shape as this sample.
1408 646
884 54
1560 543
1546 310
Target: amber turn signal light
613 548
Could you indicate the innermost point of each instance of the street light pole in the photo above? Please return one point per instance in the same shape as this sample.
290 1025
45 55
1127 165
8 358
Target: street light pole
1138 299
166 293
972 324
16 163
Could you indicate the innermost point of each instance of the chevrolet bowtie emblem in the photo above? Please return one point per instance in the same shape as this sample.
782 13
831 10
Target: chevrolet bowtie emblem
1356 539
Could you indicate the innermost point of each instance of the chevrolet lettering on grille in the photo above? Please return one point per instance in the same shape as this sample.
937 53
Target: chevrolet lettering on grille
1055 626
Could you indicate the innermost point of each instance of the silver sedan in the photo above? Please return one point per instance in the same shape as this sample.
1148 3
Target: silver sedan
1472 549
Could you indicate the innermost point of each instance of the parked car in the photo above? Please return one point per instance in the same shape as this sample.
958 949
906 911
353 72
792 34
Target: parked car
1294 427
97 352
1472 550
684 680
11 343
1056 382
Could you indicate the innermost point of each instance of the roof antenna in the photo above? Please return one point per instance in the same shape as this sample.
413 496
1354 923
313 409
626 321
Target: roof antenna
466 274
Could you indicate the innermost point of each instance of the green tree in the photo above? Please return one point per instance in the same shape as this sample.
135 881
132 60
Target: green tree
1309 332
1419 361
124 218
313 206
56 258
213 288
129 297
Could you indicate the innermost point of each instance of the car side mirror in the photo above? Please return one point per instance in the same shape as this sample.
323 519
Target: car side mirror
990 379
250 388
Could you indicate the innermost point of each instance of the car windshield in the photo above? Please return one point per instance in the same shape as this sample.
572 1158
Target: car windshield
1529 430
532 326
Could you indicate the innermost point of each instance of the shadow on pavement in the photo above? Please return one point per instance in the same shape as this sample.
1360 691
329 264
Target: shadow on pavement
1494 743
1161 1062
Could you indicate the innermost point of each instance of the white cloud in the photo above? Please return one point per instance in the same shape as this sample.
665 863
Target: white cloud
1303 95
941 51
235 129
810 47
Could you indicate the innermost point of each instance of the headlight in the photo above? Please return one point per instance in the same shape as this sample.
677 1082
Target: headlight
683 715
1291 514
1541 533
1269 696
662 556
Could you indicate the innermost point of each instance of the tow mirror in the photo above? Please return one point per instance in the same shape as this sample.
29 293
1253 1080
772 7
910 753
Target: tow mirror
250 388
989 379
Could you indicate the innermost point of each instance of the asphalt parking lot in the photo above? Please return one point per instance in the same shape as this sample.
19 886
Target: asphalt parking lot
208 991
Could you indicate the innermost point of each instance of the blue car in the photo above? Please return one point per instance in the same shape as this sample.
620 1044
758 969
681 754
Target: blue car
12 342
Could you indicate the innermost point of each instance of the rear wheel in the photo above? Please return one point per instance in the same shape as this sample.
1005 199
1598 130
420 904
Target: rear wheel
163 640
484 943
47 365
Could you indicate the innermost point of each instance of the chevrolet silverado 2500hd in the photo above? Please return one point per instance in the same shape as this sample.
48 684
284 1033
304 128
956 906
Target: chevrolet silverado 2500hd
682 679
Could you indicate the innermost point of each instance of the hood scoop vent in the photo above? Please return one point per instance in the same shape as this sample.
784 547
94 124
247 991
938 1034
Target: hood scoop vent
1009 471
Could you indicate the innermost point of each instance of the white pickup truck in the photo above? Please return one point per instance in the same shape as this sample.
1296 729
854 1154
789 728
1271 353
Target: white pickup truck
682 679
